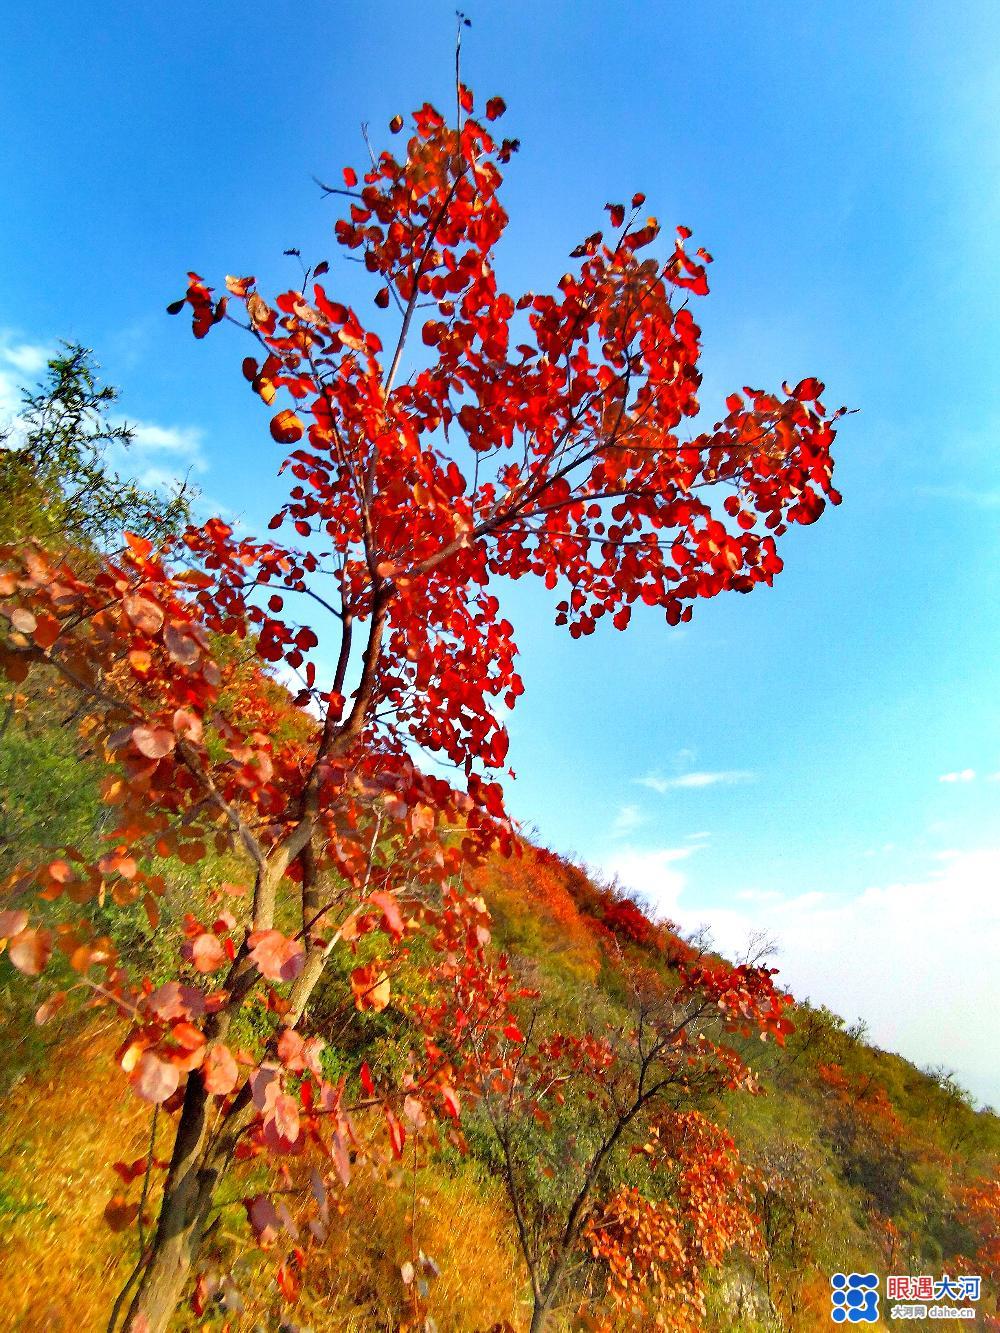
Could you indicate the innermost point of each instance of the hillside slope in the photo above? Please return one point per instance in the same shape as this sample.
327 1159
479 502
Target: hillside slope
856 1161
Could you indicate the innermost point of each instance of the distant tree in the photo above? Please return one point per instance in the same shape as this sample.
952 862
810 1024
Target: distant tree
980 1211
56 483
570 1109
789 1197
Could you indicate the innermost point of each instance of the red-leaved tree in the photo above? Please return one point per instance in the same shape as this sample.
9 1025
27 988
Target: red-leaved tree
456 437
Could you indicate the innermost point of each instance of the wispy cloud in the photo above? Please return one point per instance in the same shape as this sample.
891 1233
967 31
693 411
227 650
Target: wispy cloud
184 441
685 781
160 456
976 497
961 775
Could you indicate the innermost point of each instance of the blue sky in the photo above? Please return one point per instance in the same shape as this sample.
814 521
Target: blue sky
778 763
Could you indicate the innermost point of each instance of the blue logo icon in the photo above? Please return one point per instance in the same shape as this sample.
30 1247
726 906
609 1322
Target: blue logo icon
855 1298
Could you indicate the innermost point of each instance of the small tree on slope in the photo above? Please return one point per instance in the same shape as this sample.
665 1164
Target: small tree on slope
487 436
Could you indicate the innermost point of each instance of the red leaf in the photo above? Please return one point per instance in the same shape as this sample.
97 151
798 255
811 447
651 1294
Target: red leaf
173 1000
47 630
397 1134
182 647
289 1279
290 1050
808 389
341 1158
286 1117
391 915
145 614
188 725
129 1171
263 1218
119 1214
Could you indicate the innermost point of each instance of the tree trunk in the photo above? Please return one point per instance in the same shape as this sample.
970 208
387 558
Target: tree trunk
187 1198
545 1298
539 1317
197 1165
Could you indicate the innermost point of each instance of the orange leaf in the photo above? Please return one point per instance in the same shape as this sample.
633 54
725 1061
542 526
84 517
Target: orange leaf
286 427
220 1070
207 953
119 1214
30 951
153 742
371 987
153 1079
12 923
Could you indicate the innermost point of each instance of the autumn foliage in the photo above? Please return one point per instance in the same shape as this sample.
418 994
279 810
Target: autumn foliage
454 436
656 1252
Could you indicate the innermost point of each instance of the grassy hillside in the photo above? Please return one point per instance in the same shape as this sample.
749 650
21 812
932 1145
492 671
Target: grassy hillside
855 1159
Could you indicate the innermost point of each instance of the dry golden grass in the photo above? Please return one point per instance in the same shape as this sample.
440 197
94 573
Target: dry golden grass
59 1133
355 1285
61 1266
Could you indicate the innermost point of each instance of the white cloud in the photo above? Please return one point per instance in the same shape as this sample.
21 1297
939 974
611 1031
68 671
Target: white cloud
159 457
20 365
628 818
159 454
917 960
184 441
27 358
650 874
962 775
694 780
